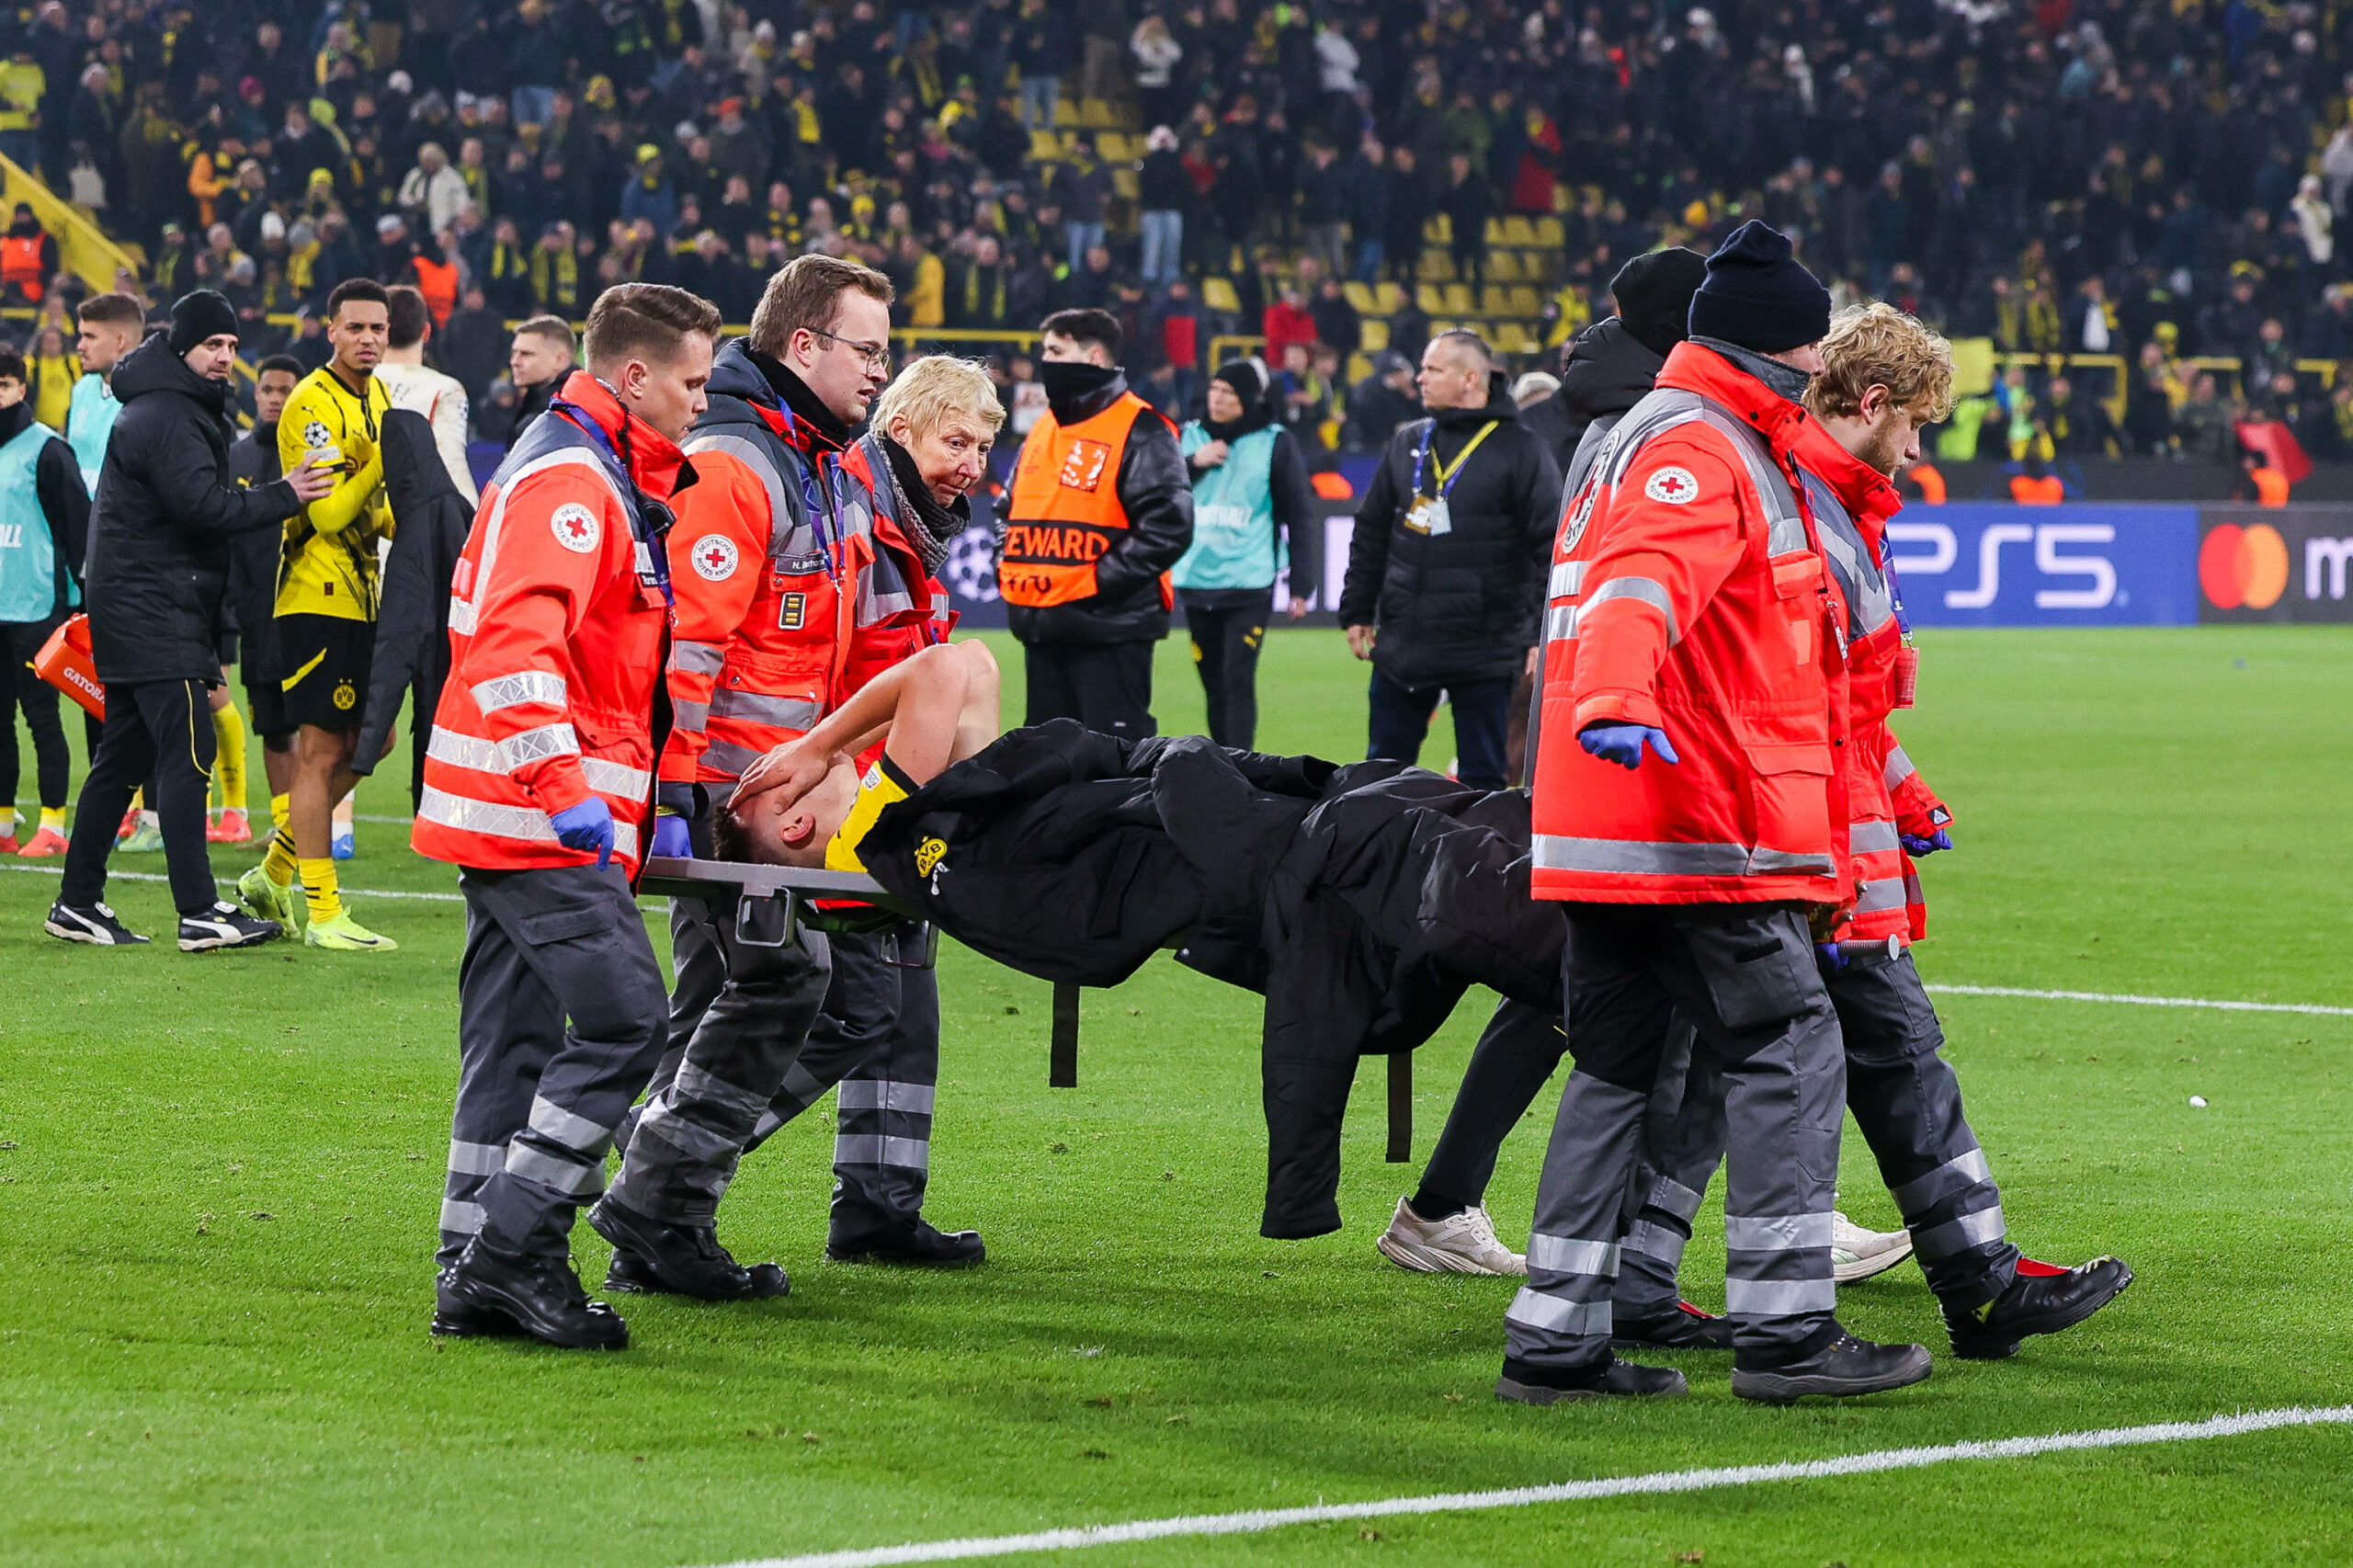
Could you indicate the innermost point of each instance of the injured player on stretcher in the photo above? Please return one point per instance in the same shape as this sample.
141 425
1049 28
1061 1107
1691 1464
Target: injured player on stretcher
1361 901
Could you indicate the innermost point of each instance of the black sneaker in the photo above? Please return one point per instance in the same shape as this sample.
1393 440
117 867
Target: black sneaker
919 1245
1685 1328
95 926
541 1296
651 1257
1843 1368
225 925
1524 1385
454 1319
2035 1304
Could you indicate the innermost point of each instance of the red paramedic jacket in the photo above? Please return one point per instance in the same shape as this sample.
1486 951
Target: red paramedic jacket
1851 502
559 627
1688 593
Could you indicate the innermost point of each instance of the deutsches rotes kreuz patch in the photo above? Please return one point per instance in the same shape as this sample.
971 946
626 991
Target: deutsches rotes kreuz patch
576 528
1672 485
714 558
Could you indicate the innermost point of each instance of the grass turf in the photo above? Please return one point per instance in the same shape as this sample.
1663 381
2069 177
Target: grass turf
219 1175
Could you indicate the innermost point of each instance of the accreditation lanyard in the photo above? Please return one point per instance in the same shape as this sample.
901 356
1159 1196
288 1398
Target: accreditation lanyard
825 525
1429 514
649 519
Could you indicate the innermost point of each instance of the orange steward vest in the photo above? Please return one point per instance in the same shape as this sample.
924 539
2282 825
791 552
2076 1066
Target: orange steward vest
20 263
1065 508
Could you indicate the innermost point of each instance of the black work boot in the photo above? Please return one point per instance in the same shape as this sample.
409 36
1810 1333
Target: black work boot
2036 1302
1843 1367
651 1257
917 1244
540 1295
454 1319
1685 1328
1609 1379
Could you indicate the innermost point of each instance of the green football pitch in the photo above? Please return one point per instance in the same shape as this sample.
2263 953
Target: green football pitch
218 1177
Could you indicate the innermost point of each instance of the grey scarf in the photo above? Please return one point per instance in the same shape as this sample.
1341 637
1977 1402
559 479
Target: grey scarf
938 526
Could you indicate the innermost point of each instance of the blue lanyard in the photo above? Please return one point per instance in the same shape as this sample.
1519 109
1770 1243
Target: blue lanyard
1422 453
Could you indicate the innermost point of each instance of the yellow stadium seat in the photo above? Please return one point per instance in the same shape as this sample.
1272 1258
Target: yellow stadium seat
1389 296
1517 230
1094 114
1549 232
1359 298
1495 234
1218 294
1522 301
1359 368
1430 298
1127 182
1458 299
1112 147
1438 230
1494 299
1512 338
1065 112
1502 267
1044 146
1376 335
1436 266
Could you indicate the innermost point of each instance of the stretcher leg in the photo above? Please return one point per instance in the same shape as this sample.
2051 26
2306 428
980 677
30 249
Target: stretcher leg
1062 1069
1400 1107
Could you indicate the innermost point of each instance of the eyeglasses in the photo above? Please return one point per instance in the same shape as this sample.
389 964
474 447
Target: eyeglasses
877 355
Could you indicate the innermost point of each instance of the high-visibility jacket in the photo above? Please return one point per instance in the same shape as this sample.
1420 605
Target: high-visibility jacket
901 610
437 281
1064 510
779 568
20 263
1851 502
1688 593
559 628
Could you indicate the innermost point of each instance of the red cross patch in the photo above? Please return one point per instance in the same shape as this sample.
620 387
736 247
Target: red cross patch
1672 485
714 557
576 528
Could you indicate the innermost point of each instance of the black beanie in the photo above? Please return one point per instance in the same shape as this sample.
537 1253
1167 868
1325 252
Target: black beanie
1243 377
1652 293
1757 296
198 315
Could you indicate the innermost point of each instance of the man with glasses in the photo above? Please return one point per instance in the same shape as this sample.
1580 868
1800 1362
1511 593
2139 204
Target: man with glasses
778 569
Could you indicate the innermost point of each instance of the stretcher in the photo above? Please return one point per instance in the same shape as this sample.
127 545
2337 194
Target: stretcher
773 902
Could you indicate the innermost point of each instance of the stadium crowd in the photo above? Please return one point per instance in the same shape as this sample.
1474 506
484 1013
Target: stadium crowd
2157 184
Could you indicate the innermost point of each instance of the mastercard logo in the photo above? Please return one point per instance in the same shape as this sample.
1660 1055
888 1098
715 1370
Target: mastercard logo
2243 568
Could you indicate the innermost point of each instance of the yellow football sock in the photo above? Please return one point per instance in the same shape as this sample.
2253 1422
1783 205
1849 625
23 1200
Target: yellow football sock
228 756
318 887
7 819
281 864
52 819
280 808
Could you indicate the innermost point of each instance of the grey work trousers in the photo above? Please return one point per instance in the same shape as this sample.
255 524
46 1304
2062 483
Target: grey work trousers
559 1022
739 1021
877 1036
1905 1100
1745 976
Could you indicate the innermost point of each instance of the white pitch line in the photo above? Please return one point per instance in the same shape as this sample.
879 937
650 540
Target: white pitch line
2313 1008
224 881
1661 1482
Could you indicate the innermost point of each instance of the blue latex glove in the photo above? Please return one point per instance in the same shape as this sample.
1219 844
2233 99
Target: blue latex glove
1916 846
588 826
1831 955
1622 744
671 838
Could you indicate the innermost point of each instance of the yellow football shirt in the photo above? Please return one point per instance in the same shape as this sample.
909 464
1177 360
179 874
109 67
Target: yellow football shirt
330 566
883 785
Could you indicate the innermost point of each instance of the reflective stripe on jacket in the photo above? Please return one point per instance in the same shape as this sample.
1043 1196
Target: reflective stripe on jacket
558 628
1064 510
1687 592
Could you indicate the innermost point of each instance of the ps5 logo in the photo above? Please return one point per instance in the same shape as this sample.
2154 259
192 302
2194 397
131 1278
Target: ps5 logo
2097 573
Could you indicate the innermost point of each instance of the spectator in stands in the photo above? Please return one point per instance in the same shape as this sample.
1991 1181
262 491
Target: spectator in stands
1337 324
2156 391
432 192
1156 53
2203 423
1286 322
1163 193
1380 403
1410 197
1468 201
1446 573
1253 511
544 352
27 258
2079 427
473 346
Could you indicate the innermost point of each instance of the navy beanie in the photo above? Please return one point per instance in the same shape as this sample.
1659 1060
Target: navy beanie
198 315
1652 293
1756 296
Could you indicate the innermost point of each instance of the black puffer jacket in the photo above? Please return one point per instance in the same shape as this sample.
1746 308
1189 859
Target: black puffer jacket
251 607
162 527
1608 373
1463 605
1156 493
412 626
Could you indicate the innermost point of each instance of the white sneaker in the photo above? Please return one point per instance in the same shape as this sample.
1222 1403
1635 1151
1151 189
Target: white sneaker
1856 1254
1459 1244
